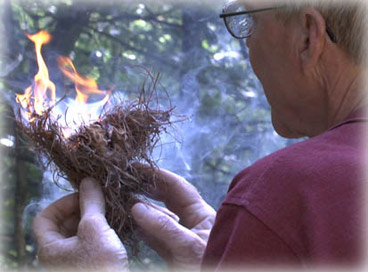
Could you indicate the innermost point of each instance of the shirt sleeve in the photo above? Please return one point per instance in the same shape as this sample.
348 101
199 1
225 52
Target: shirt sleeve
238 238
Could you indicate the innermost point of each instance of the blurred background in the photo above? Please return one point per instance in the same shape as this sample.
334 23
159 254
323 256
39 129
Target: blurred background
204 70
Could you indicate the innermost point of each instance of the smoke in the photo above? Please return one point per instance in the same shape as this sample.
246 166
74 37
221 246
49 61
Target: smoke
228 124
209 80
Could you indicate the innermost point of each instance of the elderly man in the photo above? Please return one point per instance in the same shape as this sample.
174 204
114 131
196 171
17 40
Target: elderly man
300 205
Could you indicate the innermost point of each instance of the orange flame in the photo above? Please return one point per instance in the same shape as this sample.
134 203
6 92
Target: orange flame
84 86
42 82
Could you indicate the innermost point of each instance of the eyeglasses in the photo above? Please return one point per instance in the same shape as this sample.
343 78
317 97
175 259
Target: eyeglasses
239 20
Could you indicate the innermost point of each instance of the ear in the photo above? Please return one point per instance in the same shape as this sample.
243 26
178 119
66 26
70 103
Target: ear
313 37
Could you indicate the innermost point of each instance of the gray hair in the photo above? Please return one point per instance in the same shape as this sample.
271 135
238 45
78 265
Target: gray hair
346 19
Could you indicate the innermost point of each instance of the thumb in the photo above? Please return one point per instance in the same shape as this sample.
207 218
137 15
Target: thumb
91 198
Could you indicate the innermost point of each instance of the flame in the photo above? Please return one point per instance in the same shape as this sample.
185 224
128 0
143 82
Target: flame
36 98
42 82
84 86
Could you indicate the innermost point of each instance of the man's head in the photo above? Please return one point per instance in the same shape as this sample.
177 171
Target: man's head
309 78
346 19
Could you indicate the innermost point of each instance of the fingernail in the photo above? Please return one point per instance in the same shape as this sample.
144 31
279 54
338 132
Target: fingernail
139 210
87 184
140 207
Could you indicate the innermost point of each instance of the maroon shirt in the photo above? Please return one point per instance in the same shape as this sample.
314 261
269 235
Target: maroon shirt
301 205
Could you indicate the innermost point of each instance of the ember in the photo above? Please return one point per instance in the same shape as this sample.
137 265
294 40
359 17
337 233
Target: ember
105 149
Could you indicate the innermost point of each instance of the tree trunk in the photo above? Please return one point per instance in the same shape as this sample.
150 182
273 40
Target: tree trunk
10 50
19 199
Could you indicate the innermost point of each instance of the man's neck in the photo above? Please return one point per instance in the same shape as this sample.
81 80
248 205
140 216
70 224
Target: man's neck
345 92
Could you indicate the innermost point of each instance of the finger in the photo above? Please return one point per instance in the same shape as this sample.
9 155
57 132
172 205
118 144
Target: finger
46 225
91 198
165 234
93 225
70 225
179 196
153 243
169 186
166 183
165 211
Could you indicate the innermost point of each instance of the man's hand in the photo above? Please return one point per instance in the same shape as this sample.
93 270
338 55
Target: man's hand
180 243
73 233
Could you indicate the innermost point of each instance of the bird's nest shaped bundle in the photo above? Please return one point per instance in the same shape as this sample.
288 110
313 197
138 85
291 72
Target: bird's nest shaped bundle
106 150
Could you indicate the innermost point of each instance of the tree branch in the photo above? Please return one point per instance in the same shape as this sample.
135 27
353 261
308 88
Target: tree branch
151 18
129 47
